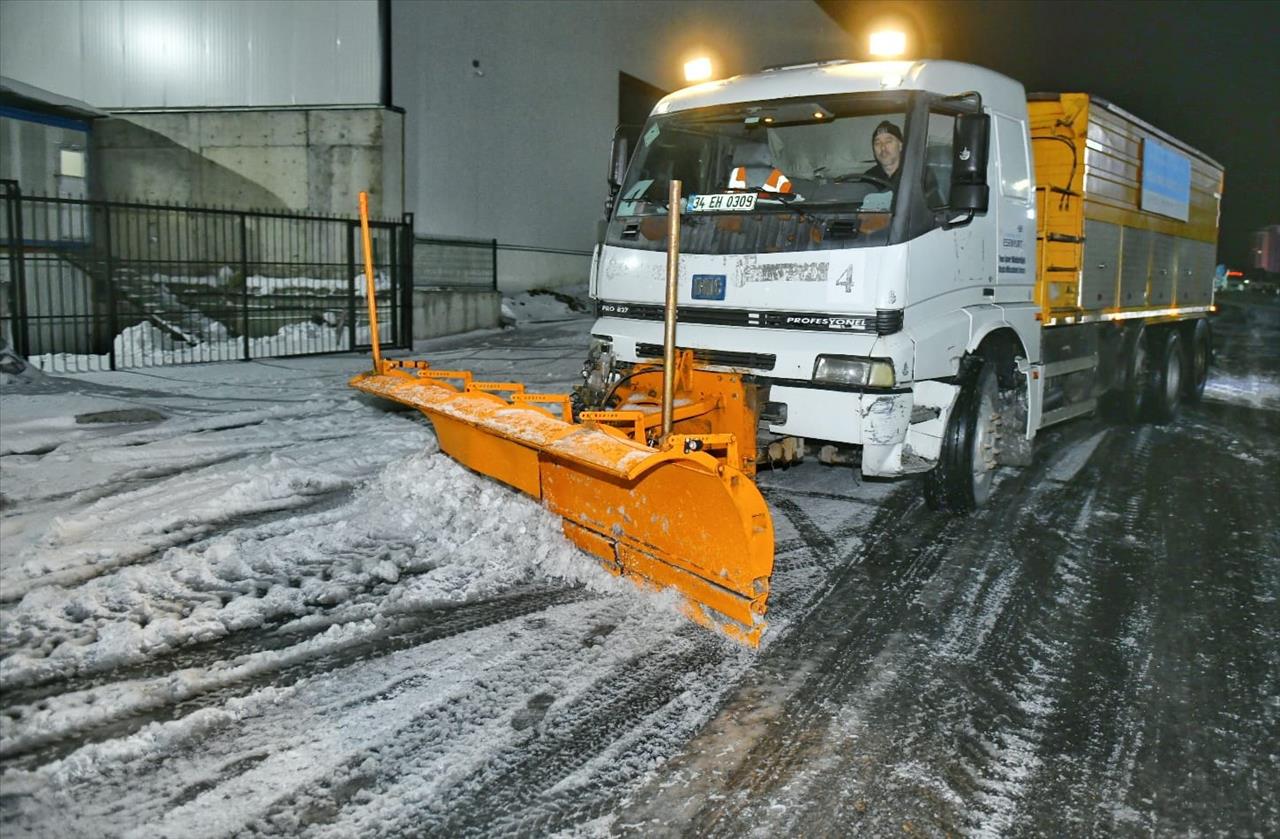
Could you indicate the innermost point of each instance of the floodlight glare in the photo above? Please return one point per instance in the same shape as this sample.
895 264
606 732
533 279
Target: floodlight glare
697 70
888 43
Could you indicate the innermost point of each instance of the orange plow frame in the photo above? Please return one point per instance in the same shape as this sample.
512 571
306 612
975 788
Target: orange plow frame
673 517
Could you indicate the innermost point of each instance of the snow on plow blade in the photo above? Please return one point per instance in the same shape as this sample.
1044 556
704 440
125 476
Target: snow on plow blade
670 517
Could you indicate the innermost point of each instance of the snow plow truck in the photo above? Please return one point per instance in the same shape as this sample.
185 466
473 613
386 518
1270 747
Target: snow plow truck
908 266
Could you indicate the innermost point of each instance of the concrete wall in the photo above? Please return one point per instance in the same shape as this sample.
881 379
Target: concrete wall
517 148
450 311
314 160
41 153
443 263
521 270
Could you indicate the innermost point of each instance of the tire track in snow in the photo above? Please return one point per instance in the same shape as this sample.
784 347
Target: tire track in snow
878 687
1081 721
127 705
1167 739
568 759
313 728
512 788
407 729
822 545
508 790
996 648
849 639
131 526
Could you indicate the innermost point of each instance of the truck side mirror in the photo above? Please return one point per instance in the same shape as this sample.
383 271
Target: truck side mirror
618 162
617 171
969 190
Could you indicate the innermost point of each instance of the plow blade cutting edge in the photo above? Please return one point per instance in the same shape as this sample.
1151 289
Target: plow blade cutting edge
667 517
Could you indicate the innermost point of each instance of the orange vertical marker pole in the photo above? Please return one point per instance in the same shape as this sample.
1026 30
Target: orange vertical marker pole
366 242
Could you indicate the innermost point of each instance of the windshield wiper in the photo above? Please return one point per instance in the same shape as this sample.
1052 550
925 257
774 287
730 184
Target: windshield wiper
786 199
790 205
817 206
862 176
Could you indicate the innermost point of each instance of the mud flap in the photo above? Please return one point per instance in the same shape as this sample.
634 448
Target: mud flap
885 419
931 408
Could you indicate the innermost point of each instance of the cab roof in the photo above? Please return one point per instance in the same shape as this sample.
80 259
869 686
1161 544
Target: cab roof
1000 93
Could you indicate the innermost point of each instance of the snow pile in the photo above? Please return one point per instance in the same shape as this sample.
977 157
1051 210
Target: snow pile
145 345
1256 389
248 597
429 529
546 305
227 280
14 370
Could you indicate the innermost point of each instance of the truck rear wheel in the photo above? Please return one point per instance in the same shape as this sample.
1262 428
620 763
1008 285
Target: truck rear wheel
1199 352
961 481
1131 400
1165 392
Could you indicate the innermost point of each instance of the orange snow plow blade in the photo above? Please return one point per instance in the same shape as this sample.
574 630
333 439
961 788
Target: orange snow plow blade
659 489
669 517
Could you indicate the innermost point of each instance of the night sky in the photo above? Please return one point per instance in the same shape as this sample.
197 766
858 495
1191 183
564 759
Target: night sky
1206 72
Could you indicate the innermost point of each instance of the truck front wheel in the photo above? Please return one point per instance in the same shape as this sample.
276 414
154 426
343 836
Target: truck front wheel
961 481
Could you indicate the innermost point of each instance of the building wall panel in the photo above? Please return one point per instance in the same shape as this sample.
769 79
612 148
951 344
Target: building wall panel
517 148
176 54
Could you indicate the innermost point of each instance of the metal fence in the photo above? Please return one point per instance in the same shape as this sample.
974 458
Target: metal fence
104 285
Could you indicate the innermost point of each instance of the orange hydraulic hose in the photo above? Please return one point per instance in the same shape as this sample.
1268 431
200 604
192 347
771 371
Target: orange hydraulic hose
367 243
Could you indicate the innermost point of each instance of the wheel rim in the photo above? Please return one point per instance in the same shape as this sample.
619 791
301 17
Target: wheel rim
1140 374
984 446
1173 377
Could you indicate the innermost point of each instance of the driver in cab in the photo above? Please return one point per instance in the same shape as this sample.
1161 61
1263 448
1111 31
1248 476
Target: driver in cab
887 145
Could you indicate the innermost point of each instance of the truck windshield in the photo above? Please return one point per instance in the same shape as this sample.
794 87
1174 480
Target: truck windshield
811 153
768 169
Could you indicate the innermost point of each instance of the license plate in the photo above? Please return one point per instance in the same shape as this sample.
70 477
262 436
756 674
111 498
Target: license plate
723 202
708 286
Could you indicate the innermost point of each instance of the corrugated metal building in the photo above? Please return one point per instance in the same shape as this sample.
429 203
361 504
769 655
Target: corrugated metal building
264 105
508 107
210 54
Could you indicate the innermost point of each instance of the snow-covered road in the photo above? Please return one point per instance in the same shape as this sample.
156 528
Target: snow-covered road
240 598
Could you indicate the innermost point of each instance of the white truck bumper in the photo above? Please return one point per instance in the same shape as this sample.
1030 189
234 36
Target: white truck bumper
880 422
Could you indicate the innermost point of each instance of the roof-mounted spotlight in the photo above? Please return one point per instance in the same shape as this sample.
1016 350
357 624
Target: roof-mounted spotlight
888 43
697 70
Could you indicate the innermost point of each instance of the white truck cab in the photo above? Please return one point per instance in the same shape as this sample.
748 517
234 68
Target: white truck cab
852 280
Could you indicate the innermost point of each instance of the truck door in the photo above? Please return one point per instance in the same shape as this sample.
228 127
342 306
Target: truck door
1015 244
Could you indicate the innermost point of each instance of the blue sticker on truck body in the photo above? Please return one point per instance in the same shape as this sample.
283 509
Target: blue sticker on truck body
708 286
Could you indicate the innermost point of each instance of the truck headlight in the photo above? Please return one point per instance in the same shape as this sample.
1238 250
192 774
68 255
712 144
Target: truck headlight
850 370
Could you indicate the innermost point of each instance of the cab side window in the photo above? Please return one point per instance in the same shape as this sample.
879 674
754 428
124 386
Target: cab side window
1015 180
937 159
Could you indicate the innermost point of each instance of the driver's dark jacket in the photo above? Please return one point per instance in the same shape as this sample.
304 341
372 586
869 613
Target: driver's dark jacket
933 196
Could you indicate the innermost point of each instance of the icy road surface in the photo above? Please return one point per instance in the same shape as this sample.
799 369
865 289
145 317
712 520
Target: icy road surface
240 599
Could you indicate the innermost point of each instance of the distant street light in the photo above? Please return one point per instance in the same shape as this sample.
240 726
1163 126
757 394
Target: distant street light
888 43
697 70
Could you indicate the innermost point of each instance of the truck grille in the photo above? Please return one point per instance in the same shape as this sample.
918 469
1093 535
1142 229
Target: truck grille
720 358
